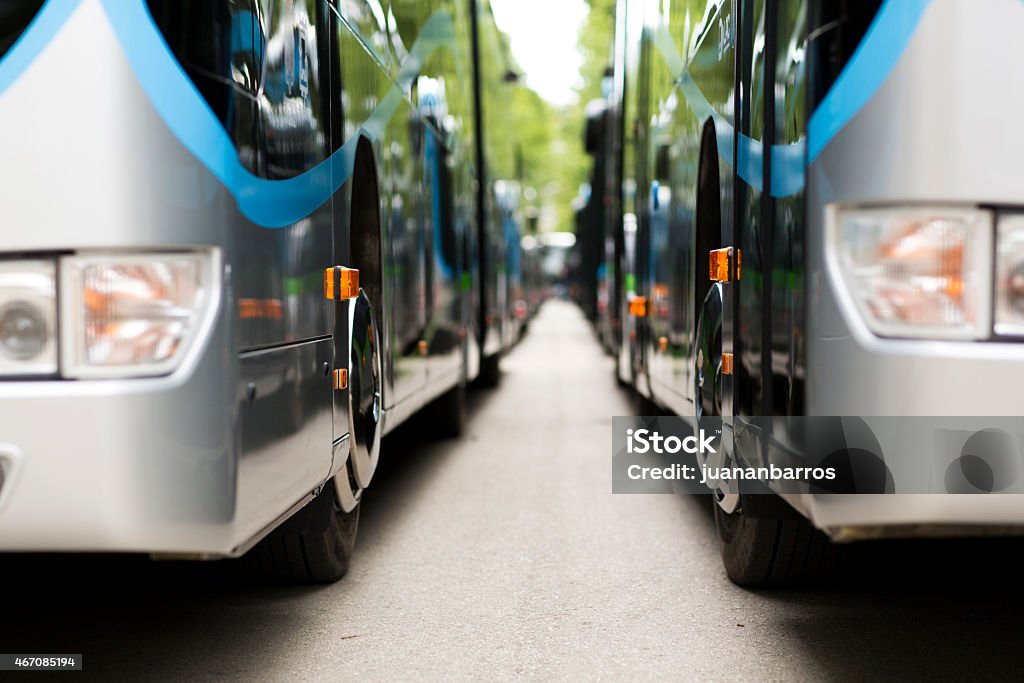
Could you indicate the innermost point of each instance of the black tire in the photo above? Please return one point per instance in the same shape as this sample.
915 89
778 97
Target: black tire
490 371
313 547
446 415
762 552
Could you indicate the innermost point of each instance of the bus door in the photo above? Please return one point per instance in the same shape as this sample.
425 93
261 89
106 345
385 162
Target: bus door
754 222
407 246
444 310
639 129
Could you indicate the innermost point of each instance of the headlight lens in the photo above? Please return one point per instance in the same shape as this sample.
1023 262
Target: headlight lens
1010 276
922 273
129 316
28 318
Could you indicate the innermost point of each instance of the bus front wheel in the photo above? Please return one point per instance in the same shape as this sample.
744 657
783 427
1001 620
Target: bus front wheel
760 552
314 546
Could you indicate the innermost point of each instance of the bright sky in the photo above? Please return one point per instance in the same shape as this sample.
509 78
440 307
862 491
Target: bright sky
543 36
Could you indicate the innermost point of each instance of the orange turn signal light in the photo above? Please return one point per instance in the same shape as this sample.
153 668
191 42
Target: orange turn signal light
725 265
341 283
340 380
726 363
638 306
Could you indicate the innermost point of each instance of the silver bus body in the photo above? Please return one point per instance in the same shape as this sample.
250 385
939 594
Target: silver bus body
110 151
918 116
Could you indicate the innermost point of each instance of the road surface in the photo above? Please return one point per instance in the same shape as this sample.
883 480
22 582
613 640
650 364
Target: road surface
504 555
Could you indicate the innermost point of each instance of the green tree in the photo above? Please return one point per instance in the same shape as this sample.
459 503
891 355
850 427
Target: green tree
550 139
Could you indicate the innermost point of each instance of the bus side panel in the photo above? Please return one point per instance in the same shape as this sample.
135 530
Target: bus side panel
445 326
634 185
752 230
466 173
405 251
285 413
788 338
672 164
723 79
628 24
498 177
278 274
261 74
365 61
658 212
429 270
445 104
691 79
613 229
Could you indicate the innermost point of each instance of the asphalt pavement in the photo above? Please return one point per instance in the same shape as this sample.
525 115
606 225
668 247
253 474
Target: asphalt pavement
504 555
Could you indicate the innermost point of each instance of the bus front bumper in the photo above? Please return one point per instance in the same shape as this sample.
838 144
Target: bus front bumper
122 465
869 517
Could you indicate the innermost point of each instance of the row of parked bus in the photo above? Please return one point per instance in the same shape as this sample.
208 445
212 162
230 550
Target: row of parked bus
244 240
807 208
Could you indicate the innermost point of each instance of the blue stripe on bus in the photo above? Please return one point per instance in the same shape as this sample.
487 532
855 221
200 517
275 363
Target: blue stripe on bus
864 74
277 203
269 203
37 35
868 68
788 167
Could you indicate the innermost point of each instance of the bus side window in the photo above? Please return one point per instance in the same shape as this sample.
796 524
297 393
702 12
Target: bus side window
834 33
14 19
221 46
247 45
296 126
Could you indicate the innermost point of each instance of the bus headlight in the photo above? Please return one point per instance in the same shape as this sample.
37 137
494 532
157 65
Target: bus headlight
131 315
28 318
1010 276
916 272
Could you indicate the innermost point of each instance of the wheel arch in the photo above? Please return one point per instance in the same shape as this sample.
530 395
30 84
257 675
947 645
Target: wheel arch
707 216
364 237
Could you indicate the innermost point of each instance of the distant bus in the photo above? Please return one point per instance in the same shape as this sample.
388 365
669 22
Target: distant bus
852 169
243 240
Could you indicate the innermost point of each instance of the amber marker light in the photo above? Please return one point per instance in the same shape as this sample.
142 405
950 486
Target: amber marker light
718 264
341 283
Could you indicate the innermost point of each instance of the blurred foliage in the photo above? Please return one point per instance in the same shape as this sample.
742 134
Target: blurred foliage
554 162
553 159
595 46
594 43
